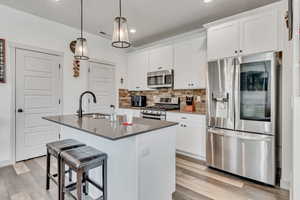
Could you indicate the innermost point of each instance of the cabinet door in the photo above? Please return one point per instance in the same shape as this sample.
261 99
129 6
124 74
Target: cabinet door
191 134
190 64
190 140
259 33
161 58
223 41
137 71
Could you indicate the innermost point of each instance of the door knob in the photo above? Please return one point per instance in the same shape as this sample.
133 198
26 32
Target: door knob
20 110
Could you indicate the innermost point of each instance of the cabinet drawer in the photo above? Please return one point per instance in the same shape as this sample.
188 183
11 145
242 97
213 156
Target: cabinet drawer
246 154
189 119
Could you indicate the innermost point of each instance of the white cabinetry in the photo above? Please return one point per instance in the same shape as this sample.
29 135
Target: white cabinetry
161 58
190 64
249 35
191 134
223 41
259 33
137 71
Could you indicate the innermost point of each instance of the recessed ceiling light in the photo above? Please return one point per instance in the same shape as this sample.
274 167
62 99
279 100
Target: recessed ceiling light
207 1
132 30
56 0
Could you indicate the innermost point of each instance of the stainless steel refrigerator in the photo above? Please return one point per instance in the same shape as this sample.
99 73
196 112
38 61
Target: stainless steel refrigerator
242 104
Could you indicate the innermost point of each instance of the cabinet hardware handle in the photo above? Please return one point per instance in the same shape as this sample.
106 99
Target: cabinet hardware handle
241 51
235 51
183 117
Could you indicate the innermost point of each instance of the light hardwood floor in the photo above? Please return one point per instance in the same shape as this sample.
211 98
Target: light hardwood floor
26 181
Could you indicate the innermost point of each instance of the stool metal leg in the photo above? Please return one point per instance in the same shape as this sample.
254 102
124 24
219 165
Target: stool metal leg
48 171
104 179
70 175
62 181
79 184
59 175
85 183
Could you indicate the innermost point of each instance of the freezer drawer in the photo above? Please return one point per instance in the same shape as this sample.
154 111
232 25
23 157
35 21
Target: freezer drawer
245 154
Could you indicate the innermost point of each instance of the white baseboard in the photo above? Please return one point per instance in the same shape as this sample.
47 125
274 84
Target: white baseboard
5 163
197 157
284 184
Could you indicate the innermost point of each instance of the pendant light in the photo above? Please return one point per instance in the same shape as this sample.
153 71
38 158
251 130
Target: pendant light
120 37
81 50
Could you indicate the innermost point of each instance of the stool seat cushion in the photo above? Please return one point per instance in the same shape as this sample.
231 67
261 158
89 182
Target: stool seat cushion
58 146
83 156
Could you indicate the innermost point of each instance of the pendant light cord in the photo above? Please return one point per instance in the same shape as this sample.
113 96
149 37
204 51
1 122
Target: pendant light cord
119 24
81 18
120 4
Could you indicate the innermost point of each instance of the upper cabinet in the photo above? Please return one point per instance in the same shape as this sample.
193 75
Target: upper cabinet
259 33
137 71
190 64
161 58
223 41
249 35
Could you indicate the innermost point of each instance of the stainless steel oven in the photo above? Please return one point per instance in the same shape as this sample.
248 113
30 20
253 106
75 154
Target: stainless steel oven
159 110
160 79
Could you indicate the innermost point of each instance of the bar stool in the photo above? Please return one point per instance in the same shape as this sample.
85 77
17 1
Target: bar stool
81 160
54 149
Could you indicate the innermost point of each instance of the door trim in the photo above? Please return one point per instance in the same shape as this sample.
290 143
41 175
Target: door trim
109 65
12 75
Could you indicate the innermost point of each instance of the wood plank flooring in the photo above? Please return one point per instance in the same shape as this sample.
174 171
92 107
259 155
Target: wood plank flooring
195 181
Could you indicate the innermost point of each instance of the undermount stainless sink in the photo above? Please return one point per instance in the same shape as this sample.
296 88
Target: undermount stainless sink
97 115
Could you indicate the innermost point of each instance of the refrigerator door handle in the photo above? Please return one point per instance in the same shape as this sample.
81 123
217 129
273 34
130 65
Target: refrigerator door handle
236 93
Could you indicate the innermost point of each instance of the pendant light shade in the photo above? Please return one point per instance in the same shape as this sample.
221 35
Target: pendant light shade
81 49
120 37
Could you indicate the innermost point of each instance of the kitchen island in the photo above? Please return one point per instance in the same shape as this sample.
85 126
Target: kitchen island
141 157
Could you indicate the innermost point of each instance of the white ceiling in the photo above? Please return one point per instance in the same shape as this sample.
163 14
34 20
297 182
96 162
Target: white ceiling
153 19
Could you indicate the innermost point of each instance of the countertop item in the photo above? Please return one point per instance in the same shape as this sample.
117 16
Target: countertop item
172 111
111 130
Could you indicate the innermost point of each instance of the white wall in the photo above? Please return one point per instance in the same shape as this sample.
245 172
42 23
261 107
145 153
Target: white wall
295 192
286 103
23 28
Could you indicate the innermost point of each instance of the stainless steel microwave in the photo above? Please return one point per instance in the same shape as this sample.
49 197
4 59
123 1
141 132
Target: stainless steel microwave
160 79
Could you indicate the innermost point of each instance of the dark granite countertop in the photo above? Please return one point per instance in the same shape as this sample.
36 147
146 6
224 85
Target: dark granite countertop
111 130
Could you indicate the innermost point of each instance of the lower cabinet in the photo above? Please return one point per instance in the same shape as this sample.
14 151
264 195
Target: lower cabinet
191 134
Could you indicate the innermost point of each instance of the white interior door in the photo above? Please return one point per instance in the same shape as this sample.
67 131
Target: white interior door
37 95
101 81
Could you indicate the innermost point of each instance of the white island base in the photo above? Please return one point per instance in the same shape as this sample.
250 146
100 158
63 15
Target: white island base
140 167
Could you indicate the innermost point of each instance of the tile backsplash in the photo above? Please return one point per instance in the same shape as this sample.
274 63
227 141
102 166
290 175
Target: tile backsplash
125 96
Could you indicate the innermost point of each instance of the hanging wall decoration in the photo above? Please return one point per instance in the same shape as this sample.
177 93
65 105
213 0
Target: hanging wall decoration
76 62
2 61
73 46
76 68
